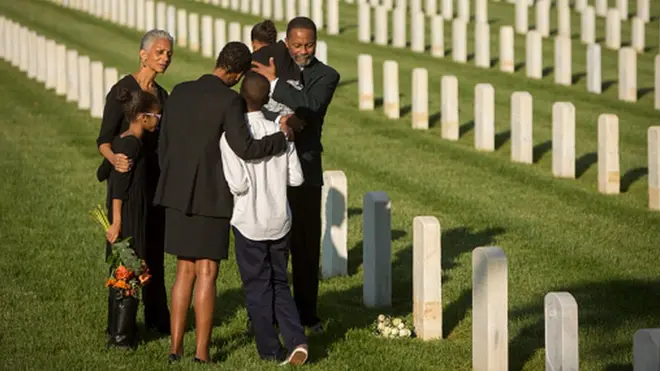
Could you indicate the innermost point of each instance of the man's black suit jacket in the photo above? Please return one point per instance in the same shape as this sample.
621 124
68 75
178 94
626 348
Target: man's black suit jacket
310 104
194 118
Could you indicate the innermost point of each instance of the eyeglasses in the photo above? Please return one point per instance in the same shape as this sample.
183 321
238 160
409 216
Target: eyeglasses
156 115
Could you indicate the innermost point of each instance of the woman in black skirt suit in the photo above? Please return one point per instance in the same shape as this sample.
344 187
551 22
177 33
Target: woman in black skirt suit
155 57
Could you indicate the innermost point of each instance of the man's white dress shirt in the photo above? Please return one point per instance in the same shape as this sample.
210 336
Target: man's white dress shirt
261 208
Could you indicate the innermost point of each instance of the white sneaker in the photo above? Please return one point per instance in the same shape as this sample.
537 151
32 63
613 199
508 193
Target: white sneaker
297 357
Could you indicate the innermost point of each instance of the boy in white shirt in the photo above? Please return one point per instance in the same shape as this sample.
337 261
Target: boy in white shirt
261 221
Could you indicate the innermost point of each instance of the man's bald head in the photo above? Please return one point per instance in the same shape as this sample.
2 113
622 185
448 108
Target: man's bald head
255 90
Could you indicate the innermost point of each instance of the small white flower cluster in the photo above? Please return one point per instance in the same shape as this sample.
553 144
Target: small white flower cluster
391 327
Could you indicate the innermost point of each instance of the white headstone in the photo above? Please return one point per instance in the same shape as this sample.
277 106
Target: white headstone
482 47
24 36
420 99
594 84
220 39
521 16
235 32
628 74
380 26
4 37
255 7
110 77
622 6
72 84
377 249
303 8
123 12
161 15
364 22
171 21
644 10
543 17
42 58
97 92
654 167
601 8
613 30
463 10
561 332
132 14
563 140
638 31
588 26
484 117
507 59
290 9
449 107
322 51
61 85
399 28
490 309
247 36
391 89
448 9
581 5
522 148
333 16
267 9
646 349
481 11
182 28
365 82
207 36
563 60
417 39
427 278
534 55
608 154
334 213
245 6
278 10
193 32
657 82
114 11
437 36
84 83
564 16
51 64
459 40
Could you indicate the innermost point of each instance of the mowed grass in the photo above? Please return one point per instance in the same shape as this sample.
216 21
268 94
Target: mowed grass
559 235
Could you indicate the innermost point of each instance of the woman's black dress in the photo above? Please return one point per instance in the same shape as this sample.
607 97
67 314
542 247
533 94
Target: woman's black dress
114 123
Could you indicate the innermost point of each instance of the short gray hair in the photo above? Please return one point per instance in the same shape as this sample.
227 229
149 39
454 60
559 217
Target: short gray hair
153 35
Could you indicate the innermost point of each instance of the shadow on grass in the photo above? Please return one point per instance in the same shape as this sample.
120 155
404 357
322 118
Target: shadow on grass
603 307
540 150
502 138
631 176
584 163
346 311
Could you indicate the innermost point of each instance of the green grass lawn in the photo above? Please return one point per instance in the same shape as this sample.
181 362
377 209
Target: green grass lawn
559 235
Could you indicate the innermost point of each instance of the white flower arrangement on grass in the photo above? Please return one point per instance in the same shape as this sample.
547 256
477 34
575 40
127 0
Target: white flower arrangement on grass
388 327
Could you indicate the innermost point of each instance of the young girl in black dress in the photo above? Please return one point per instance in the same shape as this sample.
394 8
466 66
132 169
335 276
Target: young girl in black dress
128 201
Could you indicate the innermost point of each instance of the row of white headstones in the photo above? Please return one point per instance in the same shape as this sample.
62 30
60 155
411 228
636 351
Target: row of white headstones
534 41
85 81
199 34
279 9
489 285
563 124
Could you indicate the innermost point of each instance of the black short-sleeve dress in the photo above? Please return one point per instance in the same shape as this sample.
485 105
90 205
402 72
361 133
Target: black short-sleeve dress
130 187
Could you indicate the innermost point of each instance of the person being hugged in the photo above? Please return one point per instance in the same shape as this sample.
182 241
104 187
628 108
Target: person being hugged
127 200
261 221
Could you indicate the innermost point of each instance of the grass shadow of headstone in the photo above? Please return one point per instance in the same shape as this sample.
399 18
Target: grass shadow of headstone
502 138
540 150
606 85
584 163
631 176
643 91
434 119
577 77
465 128
605 307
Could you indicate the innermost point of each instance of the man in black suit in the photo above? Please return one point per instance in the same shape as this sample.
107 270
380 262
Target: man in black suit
192 188
310 104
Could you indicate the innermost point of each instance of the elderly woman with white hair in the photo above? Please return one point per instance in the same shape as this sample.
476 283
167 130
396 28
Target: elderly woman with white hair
155 57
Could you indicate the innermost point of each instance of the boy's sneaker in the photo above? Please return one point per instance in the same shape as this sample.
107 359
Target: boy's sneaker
297 357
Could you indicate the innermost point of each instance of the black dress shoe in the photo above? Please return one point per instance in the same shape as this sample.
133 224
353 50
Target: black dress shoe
174 358
197 360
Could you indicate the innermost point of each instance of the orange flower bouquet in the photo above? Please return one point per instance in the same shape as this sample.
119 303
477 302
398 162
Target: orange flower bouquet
128 274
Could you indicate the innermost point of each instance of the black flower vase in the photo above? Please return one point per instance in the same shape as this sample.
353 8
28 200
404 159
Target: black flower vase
122 326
